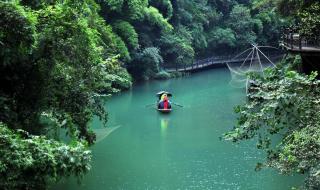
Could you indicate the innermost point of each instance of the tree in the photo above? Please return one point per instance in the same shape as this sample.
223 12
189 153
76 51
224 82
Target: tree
177 47
222 37
164 6
127 33
284 104
146 63
153 16
55 65
310 20
242 24
130 9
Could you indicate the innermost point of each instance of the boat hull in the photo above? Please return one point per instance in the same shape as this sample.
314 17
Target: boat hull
165 110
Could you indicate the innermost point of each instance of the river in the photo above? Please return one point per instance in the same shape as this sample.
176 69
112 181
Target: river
180 150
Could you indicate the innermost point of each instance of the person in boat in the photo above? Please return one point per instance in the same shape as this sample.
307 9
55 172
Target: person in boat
164 102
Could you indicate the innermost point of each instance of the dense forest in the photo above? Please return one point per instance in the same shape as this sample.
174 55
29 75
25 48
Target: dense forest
157 33
60 60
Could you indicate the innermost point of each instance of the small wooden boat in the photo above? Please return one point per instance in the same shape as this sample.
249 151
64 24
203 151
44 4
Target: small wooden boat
159 94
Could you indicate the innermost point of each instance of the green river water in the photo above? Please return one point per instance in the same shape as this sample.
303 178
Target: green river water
180 150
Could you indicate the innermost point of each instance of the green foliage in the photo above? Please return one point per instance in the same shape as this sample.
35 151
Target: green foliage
110 41
14 66
199 39
56 63
284 104
154 17
117 77
178 47
165 7
222 37
121 48
257 26
115 5
263 4
127 33
301 14
74 68
162 75
310 20
240 21
136 8
139 26
188 29
129 9
146 63
31 162
195 17
37 4
15 47
271 26
289 7
153 55
189 12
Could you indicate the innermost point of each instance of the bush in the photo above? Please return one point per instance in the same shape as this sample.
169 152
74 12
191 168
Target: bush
31 162
162 75
146 64
177 74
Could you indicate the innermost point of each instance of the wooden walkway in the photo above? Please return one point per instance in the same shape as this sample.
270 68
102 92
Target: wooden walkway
204 63
209 63
296 43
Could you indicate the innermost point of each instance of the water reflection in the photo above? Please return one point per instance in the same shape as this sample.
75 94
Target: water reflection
164 124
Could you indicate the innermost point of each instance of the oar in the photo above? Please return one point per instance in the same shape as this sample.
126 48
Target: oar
150 105
177 104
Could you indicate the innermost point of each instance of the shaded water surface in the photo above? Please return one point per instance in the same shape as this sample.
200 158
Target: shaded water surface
180 150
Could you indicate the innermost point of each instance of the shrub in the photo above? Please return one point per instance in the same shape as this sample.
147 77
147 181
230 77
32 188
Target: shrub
31 162
163 75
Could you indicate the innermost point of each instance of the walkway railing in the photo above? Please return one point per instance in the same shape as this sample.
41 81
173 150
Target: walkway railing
295 42
198 64
203 63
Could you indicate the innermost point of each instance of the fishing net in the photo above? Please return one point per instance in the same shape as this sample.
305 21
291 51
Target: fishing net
254 61
102 133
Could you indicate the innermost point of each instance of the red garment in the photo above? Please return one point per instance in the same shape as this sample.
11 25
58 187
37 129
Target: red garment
165 104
